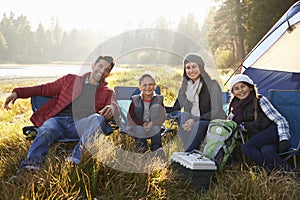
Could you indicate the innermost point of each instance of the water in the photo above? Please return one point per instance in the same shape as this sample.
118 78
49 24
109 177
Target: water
23 71
10 71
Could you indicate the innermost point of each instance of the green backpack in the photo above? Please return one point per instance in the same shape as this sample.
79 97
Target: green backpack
220 141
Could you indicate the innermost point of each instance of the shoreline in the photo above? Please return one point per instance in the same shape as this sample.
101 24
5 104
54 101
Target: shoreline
26 78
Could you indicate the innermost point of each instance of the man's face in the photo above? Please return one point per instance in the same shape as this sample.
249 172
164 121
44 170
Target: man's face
100 71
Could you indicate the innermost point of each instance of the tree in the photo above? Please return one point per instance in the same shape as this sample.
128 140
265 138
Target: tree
24 40
189 27
262 16
3 47
8 32
42 44
161 23
227 33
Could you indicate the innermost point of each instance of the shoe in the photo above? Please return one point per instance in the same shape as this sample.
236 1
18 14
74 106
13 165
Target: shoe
73 160
27 168
159 153
31 167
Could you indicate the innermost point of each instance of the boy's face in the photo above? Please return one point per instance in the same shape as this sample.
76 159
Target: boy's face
147 86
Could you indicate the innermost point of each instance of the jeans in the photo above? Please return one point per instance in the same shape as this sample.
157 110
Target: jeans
64 127
142 144
193 139
262 149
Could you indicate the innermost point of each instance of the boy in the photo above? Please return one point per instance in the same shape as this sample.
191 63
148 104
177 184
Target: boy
146 115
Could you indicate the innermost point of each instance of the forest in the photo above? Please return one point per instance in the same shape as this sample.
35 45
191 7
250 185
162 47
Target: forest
229 32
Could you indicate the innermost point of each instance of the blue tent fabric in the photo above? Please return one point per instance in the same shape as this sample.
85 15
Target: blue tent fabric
270 79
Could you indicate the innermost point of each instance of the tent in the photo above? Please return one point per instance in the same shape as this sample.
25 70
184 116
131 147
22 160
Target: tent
274 63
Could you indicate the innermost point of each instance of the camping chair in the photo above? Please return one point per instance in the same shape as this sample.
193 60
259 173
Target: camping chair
287 102
31 131
225 101
123 98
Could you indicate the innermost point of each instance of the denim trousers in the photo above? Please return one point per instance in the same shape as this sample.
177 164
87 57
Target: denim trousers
64 127
262 149
142 144
193 139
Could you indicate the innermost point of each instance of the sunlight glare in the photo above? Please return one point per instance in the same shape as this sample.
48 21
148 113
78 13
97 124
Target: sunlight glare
109 16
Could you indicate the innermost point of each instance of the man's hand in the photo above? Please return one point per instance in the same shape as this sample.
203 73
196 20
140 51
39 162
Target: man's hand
11 98
107 112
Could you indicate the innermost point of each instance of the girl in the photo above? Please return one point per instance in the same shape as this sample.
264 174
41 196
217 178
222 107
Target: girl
267 129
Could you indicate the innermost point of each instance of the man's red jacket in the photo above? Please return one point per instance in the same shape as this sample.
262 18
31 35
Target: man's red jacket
64 90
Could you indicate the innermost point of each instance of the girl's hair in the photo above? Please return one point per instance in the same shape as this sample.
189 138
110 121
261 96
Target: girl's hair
144 76
253 90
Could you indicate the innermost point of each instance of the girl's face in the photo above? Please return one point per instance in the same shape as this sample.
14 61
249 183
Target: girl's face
147 86
240 90
192 71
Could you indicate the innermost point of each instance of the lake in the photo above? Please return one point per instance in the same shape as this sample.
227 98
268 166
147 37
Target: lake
10 71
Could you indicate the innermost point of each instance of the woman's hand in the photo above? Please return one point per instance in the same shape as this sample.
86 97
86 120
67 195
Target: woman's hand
188 125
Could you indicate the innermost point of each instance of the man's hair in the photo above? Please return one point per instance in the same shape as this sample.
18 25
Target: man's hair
108 59
144 76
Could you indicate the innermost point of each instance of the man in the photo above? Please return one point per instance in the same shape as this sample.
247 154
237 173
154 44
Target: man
79 108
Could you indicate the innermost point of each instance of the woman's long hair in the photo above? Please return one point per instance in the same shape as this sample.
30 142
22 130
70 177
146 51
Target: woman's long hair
204 77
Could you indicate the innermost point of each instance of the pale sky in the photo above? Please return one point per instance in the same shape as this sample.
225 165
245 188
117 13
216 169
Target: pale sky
111 16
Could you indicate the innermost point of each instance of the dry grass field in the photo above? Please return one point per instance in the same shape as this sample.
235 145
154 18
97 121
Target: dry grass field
93 179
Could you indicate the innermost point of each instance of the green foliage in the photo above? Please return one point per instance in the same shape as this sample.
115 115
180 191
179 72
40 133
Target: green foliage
237 26
262 16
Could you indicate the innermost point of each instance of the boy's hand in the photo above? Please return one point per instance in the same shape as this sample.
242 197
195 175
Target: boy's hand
11 98
147 126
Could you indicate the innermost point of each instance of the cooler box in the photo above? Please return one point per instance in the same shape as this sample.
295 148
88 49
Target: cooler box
194 167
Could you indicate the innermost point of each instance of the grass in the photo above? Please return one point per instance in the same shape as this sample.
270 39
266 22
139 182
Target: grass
98 176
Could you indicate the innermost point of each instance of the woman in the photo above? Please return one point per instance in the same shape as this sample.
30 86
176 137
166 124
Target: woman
200 97
267 129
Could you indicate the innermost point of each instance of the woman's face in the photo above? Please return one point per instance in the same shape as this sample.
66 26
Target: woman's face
192 71
241 90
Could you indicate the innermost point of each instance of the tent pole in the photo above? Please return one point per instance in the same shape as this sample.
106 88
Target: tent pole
236 69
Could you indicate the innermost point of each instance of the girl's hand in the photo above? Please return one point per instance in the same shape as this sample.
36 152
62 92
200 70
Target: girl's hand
188 125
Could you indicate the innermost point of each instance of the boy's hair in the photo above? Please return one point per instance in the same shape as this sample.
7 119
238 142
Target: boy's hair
108 59
144 76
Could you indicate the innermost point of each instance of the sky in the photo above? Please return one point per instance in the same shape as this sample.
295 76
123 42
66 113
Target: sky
111 16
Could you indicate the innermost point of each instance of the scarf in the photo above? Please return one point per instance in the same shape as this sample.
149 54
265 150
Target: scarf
239 105
192 95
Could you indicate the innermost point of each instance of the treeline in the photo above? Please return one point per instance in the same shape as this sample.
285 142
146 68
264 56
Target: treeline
230 31
20 44
235 27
